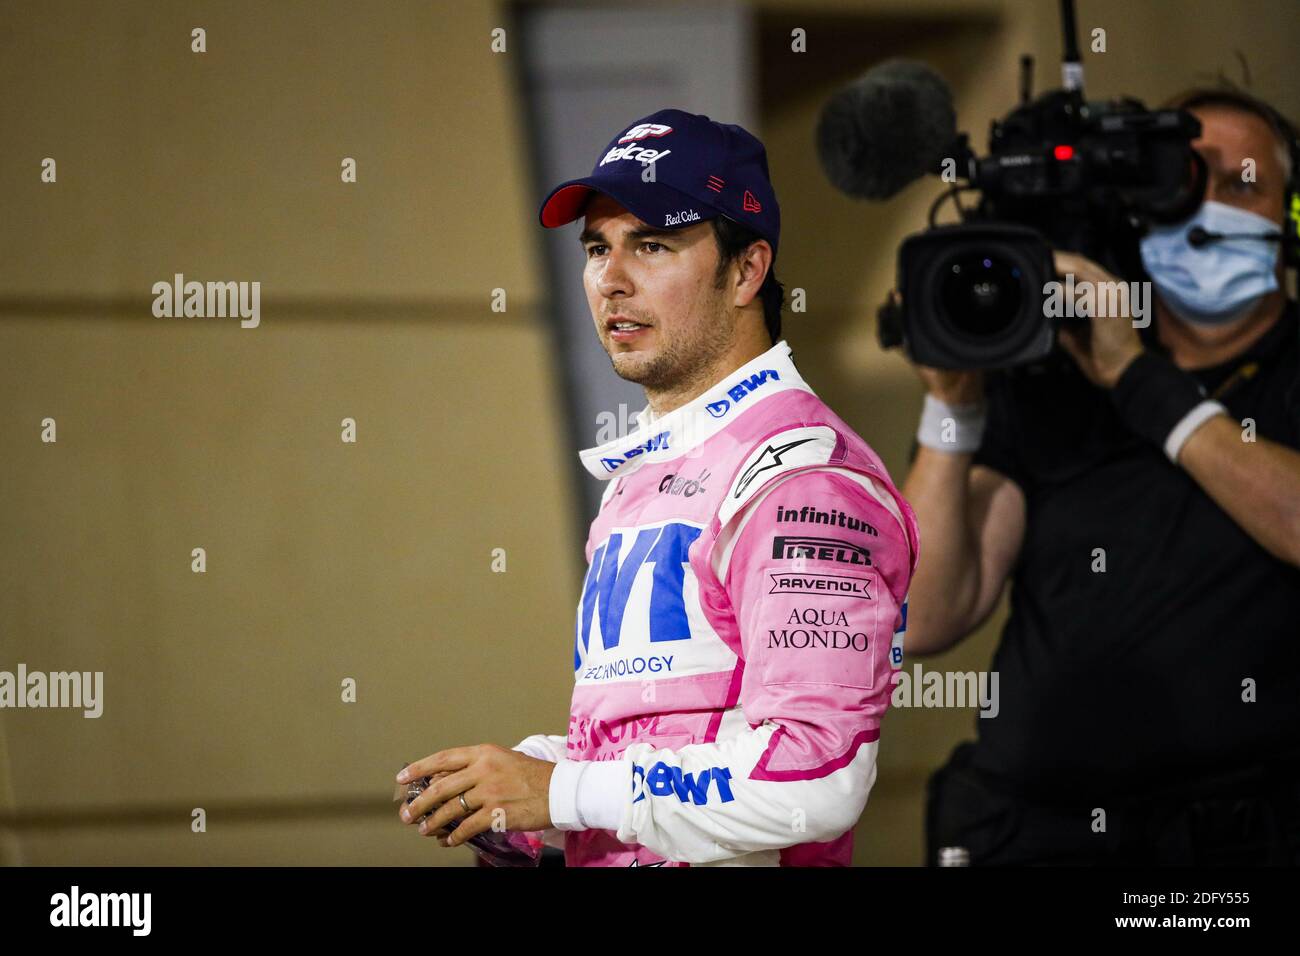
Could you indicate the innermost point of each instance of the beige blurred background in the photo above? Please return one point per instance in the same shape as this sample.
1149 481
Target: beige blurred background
373 561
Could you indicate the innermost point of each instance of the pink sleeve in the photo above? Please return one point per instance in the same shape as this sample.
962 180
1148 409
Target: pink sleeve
817 575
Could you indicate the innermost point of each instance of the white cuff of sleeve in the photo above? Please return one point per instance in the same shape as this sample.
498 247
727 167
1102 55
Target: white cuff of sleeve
954 428
587 794
1193 420
531 749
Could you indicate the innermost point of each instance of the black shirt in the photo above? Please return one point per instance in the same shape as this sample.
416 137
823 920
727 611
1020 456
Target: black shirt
1131 679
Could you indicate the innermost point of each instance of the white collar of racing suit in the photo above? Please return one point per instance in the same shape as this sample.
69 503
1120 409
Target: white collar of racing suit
671 435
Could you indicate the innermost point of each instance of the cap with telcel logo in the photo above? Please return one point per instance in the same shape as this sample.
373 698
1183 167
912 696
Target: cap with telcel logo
701 169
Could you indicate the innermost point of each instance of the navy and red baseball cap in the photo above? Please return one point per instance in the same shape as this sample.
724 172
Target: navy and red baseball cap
701 169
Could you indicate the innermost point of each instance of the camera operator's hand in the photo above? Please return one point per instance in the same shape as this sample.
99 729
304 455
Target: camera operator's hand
951 386
1106 346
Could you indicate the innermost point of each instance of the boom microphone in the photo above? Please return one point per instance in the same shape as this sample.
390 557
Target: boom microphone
893 125
1198 236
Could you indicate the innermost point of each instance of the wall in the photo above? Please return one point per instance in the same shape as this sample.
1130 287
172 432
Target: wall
326 560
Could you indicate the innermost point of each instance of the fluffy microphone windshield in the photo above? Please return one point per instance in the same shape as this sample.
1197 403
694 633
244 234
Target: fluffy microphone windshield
893 125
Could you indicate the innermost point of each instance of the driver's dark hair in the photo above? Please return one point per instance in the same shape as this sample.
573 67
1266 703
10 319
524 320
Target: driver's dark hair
733 239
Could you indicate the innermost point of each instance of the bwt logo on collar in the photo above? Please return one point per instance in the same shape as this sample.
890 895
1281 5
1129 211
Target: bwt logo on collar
658 443
642 130
742 388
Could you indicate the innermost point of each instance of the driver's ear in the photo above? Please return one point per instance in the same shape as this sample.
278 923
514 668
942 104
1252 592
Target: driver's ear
755 263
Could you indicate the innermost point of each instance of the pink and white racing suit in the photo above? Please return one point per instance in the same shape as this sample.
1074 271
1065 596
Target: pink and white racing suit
745 595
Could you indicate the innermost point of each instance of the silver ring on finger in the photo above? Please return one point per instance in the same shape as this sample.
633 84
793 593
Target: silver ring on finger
464 805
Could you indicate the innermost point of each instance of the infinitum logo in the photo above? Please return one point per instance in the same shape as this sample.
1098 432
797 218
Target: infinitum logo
103 909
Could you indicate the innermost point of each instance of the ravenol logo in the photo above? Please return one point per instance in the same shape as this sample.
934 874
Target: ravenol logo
658 443
663 780
742 388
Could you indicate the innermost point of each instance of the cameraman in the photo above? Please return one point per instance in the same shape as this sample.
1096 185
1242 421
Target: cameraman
1144 500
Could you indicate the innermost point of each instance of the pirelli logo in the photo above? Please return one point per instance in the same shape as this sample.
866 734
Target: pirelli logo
819 549
842 585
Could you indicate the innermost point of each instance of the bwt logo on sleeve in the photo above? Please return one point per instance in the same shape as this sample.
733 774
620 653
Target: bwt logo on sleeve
900 634
663 780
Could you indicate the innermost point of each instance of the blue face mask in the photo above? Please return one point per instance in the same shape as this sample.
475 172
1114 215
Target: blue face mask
1221 281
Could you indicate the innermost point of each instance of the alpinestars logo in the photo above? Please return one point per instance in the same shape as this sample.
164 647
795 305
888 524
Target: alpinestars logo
771 458
742 388
820 549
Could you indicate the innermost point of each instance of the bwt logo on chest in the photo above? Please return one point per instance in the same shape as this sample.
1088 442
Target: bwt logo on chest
609 586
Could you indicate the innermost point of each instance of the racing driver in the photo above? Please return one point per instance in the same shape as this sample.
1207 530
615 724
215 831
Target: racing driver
747 570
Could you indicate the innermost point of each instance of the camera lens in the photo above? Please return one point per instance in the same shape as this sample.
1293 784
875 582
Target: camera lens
972 296
980 294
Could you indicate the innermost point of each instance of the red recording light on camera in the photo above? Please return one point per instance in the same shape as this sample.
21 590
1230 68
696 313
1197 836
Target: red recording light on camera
1063 152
